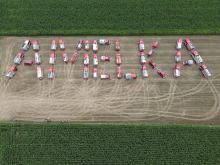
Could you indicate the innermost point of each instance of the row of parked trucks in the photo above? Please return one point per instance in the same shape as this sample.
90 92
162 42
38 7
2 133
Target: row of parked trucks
103 58
18 59
145 58
85 44
194 54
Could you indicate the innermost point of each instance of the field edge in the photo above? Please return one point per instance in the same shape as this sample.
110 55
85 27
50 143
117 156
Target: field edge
56 143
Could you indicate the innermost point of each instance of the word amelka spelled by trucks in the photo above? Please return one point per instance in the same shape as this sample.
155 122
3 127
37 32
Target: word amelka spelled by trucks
144 56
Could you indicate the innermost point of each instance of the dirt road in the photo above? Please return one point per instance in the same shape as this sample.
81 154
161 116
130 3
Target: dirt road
189 99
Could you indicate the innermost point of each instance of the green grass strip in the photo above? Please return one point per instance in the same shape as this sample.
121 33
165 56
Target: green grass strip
34 144
109 17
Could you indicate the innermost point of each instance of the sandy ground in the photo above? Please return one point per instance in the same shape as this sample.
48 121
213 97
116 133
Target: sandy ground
189 99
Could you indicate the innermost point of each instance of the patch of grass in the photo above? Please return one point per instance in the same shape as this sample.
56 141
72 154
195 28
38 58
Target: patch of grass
5 137
108 144
109 17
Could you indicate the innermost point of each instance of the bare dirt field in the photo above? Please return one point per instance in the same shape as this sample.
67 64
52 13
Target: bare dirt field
188 99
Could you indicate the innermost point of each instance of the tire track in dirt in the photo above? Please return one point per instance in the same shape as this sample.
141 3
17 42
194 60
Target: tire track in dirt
203 117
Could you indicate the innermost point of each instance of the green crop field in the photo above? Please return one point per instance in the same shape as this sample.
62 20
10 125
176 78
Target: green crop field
108 144
67 144
109 17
